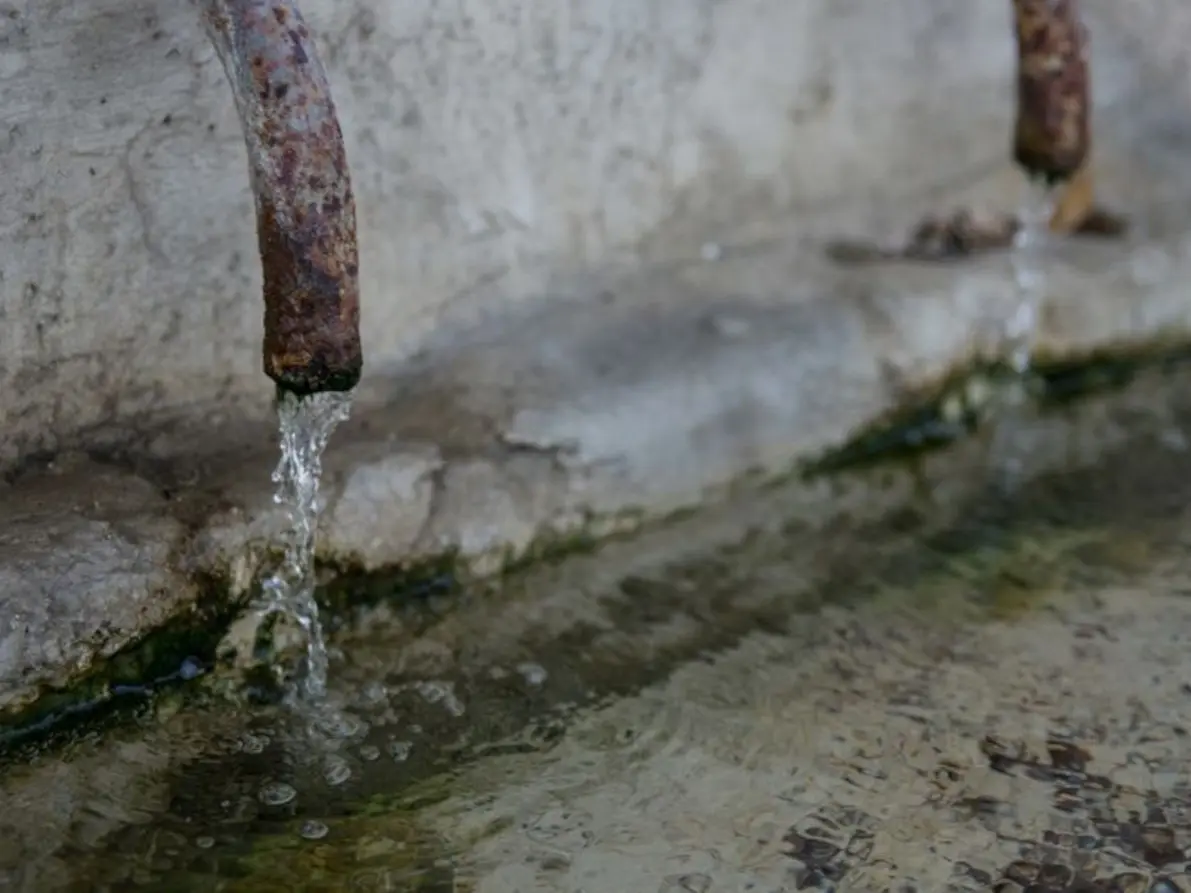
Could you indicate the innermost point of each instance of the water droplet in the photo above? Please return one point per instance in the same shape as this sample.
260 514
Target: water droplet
276 793
254 744
369 753
375 693
336 771
400 750
334 724
533 674
436 692
313 830
204 843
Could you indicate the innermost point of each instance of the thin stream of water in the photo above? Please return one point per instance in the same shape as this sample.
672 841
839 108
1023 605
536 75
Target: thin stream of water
1028 260
306 424
1029 272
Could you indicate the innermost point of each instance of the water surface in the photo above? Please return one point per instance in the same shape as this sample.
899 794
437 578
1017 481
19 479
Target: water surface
995 696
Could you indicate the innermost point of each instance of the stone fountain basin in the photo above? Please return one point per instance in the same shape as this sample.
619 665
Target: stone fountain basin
547 360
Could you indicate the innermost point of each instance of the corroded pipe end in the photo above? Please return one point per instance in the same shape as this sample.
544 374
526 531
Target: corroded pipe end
312 308
305 207
1052 136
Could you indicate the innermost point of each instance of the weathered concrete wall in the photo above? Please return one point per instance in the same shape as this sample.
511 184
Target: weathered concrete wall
546 346
499 148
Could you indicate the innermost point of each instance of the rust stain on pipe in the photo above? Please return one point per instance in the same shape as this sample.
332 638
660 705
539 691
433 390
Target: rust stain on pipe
1052 136
305 209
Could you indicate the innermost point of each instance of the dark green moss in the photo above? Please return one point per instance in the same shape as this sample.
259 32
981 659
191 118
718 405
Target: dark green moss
1067 379
167 657
351 586
928 421
940 415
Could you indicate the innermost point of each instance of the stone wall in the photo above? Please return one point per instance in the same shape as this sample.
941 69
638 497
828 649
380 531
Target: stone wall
502 150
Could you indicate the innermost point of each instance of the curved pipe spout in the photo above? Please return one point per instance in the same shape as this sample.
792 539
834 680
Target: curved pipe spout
1052 135
305 210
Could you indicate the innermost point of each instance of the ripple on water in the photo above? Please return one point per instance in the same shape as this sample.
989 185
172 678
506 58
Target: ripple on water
336 770
254 744
277 793
369 753
400 750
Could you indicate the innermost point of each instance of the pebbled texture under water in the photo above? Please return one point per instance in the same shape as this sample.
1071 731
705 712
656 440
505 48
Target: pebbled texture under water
993 699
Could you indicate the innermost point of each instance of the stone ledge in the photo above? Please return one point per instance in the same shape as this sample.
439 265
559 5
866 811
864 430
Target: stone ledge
641 400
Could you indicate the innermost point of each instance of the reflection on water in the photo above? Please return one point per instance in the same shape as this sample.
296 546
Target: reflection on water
994 703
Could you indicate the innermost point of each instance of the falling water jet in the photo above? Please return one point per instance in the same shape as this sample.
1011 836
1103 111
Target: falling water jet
1028 258
1051 143
306 424
306 235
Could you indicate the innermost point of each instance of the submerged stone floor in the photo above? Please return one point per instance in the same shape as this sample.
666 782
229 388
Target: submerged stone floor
980 687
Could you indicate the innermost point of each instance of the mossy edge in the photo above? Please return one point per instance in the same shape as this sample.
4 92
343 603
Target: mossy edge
930 419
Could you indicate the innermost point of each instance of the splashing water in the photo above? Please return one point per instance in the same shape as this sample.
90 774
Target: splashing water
1028 258
306 425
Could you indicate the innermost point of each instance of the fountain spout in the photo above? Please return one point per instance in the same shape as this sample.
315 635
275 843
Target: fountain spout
305 209
1052 135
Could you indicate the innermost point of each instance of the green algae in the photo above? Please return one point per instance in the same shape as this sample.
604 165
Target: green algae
968 399
162 660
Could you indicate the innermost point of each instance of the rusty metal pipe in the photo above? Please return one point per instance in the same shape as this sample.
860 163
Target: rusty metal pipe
1052 136
305 210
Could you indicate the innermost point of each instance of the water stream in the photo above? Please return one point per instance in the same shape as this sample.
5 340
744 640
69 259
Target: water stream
1029 271
306 425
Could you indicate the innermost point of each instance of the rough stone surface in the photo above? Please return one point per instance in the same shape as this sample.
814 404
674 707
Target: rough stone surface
500 151
80 569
